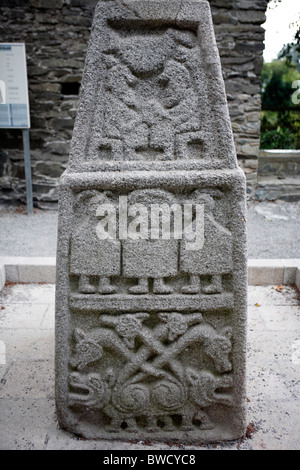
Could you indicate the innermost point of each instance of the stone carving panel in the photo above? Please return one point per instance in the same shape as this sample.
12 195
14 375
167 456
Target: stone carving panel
150 380
165 263
152 111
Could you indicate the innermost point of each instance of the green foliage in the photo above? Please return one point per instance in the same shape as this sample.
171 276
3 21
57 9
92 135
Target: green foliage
276 87
280 123
277 139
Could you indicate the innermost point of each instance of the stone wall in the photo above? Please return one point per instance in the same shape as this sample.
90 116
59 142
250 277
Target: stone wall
56 34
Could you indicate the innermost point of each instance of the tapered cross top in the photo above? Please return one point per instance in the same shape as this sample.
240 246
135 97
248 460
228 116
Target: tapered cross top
153 95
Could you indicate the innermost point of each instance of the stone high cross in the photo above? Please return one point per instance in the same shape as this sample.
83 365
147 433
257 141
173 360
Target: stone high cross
150 327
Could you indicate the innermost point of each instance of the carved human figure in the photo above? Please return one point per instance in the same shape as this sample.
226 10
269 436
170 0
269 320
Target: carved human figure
214 259
91 256
180 105
121 114
149 102
149 257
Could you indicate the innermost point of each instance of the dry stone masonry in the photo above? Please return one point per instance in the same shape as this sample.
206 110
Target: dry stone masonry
151 264
56 35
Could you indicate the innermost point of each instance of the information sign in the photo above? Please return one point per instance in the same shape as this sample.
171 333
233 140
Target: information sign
14 102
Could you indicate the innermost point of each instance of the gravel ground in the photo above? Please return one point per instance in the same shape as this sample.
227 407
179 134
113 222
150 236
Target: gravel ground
23 235
273 231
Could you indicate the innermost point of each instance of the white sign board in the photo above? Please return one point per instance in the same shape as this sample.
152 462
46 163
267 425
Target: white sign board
14 102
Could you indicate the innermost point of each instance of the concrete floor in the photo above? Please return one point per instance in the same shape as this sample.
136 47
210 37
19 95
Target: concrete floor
27 407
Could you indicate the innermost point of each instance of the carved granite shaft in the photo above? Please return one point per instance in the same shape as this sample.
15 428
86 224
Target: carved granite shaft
151 266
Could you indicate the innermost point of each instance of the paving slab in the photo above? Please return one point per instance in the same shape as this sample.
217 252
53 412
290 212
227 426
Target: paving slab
27 405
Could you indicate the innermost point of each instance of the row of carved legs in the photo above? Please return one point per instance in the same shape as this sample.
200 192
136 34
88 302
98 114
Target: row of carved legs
142 286
155 423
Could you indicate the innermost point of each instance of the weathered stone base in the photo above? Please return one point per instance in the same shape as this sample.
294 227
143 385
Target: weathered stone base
162 428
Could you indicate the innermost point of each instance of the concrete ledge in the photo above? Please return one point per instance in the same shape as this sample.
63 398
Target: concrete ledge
34 270
279 163
273 271
2 276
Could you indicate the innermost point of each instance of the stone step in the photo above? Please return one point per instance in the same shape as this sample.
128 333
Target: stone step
43 270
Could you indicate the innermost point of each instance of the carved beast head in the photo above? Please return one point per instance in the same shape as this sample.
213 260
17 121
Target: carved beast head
87 350
218 348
